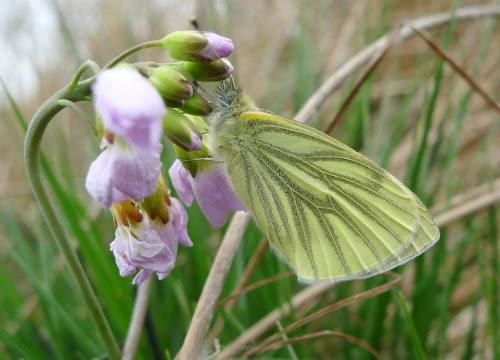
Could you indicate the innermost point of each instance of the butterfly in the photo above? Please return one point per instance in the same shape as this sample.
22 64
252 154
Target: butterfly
328 211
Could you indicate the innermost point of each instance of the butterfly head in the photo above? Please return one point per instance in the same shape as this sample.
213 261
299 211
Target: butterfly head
227 94
231 99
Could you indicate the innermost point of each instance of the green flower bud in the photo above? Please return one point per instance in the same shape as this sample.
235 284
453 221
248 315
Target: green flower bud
197 160
174 103
196 105
181 131
193 45
184 45
171 84
213 71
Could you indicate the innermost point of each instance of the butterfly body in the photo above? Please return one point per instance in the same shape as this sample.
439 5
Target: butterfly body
328 211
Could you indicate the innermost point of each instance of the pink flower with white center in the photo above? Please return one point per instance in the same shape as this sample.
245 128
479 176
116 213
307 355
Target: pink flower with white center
211 189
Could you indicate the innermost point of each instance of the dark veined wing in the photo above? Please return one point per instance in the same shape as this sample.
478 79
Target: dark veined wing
327 210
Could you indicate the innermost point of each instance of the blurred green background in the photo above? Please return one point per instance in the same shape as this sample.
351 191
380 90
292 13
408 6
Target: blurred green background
414 116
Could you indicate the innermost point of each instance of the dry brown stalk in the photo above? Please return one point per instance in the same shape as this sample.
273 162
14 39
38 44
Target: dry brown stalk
137 321
351 339
367 71
245 278
349 67
263 325
204 312
474 204
459 69
256 285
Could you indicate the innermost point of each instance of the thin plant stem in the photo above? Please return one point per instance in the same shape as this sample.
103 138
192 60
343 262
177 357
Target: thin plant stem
137 321
261 327
333 82
87 65
242 283
79 112
367 71
133 50
459 70
34 135
468 207
337 334
204 312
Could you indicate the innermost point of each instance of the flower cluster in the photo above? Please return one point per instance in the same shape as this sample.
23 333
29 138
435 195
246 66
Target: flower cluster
135 109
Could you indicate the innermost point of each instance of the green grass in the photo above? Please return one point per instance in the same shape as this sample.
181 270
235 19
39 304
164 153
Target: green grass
42 315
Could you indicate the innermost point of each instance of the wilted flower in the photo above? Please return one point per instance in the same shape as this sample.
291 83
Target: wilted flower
211 189
148 244
147 247
131 111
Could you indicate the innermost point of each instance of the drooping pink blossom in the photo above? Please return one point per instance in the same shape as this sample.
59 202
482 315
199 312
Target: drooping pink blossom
210 187
150 246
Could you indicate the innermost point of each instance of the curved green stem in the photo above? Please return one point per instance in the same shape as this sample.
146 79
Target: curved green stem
87 65
33 139
79 112
132 50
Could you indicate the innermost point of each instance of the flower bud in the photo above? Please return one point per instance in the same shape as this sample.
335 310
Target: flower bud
213 71
155 205
196 105
190 45
174 103
171 84
181 131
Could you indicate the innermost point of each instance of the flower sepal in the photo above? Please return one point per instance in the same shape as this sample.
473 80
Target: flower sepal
171 84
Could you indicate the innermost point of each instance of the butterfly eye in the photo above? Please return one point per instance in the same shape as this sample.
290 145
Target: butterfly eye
230 96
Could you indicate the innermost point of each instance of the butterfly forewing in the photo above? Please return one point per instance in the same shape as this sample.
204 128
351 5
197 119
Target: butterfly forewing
327 210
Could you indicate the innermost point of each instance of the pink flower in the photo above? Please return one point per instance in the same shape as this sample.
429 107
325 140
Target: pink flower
120 173
211 188
150 246
129 106
217 47
131 111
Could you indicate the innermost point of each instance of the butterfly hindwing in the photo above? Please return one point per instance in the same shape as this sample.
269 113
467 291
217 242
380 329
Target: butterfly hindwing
331 213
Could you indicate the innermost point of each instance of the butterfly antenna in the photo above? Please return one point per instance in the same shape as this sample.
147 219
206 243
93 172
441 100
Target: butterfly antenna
233 83
217 101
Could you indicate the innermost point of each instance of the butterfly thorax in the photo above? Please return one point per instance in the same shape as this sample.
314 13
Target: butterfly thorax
224 122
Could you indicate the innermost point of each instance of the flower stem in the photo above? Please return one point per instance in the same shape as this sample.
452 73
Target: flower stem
132 50
87 65
33 139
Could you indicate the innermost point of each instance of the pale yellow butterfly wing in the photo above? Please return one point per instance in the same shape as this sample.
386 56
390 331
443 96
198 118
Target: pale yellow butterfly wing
330 212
